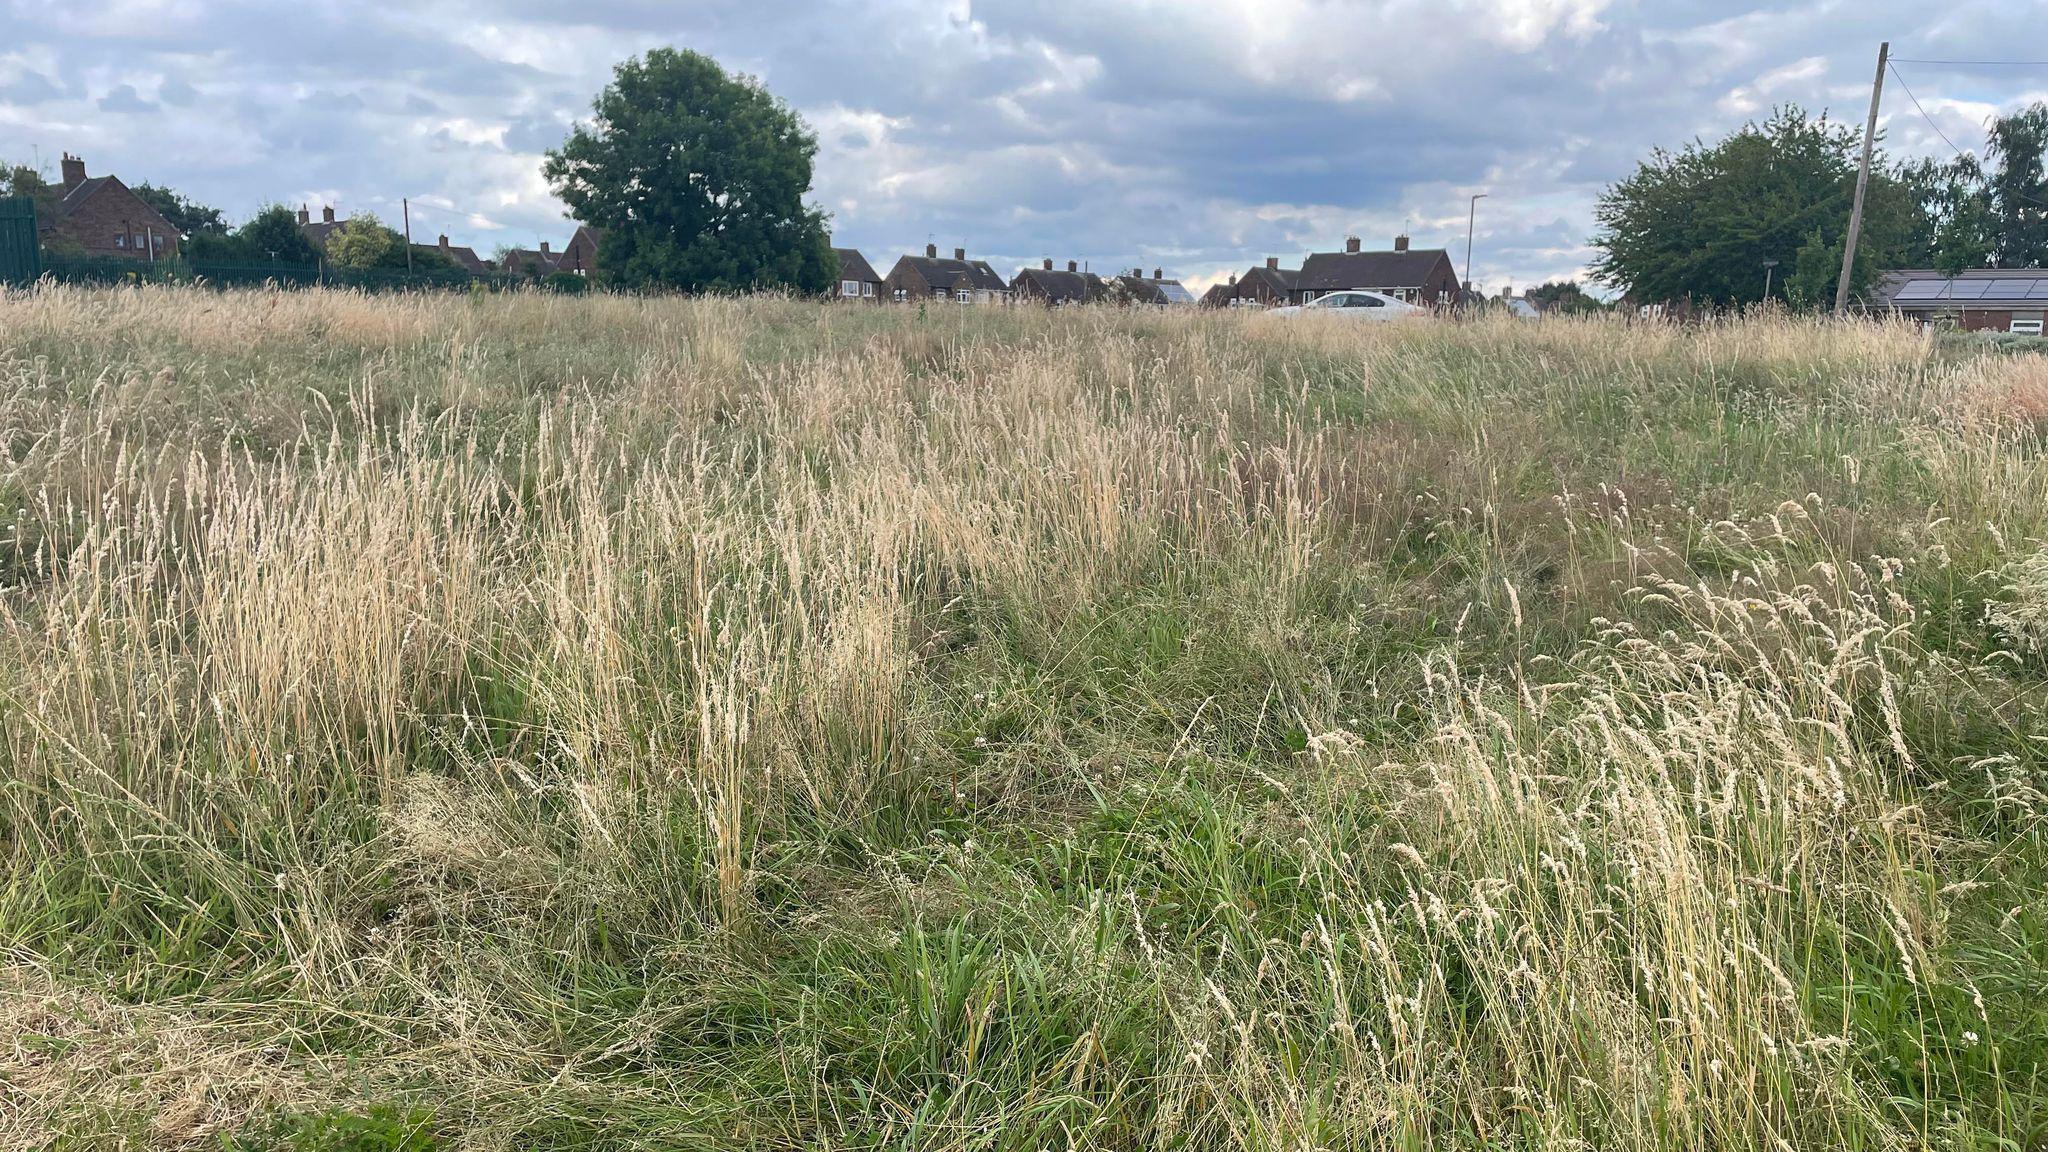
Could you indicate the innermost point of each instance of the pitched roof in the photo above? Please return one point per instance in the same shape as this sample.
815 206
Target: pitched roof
854 266
1175 292
1278 279
93 185
956 274
1922 289
1143 291
317 232
1059 287
544 260
1219 294
1336 271
464 258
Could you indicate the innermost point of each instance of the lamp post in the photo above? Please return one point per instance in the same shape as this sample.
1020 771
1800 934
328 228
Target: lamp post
1768 266
1471 215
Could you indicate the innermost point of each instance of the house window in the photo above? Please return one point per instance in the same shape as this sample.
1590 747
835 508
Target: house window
901 295
965 296
120 239
849 287
2025 327
867 289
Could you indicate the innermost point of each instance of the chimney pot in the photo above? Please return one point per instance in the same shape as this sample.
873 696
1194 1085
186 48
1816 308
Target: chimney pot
74 171
444 241
327 214
960 254
1401 243
1073 266
1273 262
931 251
1351 244
1048 263
1159 273
305 217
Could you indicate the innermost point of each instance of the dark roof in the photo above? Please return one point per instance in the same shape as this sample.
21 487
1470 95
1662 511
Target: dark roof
1336 271
545 260
854 266
317 232
465 258
1915 290
94 185
1142 291
1219 294
1279 279
1061 287
956 274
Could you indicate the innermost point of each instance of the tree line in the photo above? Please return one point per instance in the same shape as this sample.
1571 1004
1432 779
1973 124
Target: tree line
1701 222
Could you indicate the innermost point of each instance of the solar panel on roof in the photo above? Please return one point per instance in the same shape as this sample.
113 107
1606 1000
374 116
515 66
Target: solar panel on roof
1969 289
1921 290
2039 291
2009 289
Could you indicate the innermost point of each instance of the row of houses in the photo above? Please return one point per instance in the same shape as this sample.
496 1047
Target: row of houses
579 256
1418 275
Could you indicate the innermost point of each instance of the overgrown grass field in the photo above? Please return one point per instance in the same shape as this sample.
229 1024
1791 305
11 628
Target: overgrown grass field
526 722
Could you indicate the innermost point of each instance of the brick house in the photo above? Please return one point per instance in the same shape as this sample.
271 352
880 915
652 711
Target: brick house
1423 276
858 279
580 254
1157 291
100 215
928 277
1978 300
462 257
528 261
318 233
1267 286
1054 289
1221 295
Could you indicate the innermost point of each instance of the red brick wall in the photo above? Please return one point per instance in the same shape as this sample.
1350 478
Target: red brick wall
114 211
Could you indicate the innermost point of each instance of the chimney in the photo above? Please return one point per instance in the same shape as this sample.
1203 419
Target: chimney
1351 244
544 248
1073 266
1400 243
444 242
1048 263
74 172
305 217
1159 273
327 214
1273 262
1233 279
960 254
931 251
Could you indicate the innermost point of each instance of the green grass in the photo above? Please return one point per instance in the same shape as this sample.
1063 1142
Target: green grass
543 722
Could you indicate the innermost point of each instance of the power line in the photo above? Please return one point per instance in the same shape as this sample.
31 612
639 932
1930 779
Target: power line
1923 112
1977 63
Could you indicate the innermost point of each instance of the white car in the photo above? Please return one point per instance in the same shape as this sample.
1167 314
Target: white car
1356 304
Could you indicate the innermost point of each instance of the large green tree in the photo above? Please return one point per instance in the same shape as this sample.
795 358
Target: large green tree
1700 222
2018 188
698 179
189 217
270 236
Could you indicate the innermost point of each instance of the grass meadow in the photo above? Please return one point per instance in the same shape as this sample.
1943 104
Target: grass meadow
532 722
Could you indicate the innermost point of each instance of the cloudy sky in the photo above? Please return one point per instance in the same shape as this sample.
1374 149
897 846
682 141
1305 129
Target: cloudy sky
1197 135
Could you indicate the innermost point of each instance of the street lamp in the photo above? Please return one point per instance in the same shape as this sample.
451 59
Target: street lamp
1768 265
1471 215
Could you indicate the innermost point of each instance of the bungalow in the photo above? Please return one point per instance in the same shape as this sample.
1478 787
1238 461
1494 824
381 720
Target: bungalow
101 215
858 279
1056 289
929 277
1979 300
1419 276
1268 286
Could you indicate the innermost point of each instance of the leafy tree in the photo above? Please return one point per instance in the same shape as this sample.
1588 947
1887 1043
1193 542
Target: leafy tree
1701 222
1563 297
698 179
189 217
2018 189
1815 267
364 242
1952 230
22 180
270 236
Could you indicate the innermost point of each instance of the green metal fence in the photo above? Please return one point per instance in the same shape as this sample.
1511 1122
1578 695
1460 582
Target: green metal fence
115 270
20 253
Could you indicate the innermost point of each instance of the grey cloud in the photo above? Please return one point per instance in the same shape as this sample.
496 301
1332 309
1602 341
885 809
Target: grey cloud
124 98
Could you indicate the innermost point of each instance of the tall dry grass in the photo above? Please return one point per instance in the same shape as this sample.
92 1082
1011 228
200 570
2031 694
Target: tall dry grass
603 721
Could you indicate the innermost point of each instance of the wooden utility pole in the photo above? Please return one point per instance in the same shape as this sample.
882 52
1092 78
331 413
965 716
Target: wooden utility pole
405 204
1884 53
